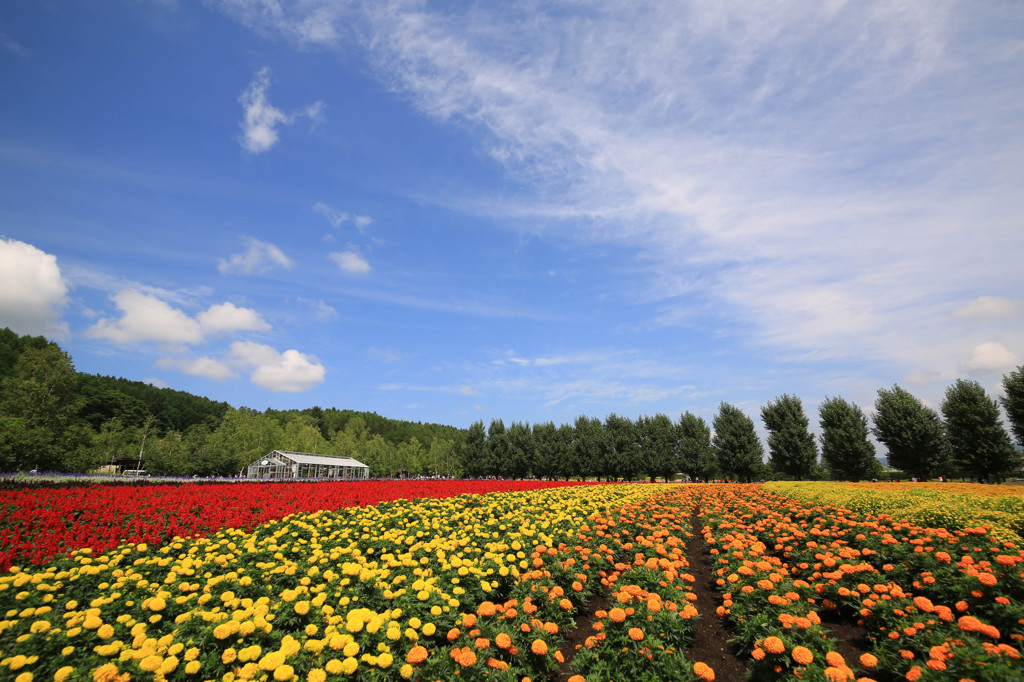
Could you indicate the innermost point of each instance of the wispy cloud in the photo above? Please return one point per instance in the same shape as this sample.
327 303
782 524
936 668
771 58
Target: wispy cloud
351 262
258 257
261 119
9 44
387 354
338 218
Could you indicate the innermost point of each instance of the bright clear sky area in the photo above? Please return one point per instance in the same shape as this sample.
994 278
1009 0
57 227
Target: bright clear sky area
451 211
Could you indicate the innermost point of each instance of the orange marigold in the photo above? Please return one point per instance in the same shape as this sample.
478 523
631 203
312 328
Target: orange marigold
617 615
468 620
417 654
835 659
774 645
497 664
503 640
703 671
486 608
453 634
539 647
803 655
636 634
868 661
915 673
467 659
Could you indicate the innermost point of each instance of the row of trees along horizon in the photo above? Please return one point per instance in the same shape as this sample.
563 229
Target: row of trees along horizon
53 418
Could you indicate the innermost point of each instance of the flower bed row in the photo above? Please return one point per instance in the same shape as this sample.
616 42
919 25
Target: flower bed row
933 604
953 506
36 525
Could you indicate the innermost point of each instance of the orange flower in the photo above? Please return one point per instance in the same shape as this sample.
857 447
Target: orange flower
539 647
835 659
453 634
774 645
868 661
467 658
617 615
803 655
497 664
503 640
758 654
703 671
636 634
482 642
468 620
915 673
485 609
565 605
577 678
417 654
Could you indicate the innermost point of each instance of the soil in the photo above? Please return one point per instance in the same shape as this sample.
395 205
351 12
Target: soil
584 628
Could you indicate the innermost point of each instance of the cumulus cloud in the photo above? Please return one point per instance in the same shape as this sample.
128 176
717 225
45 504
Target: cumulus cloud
145 317
227 317
262 119
33 292
154 381
992 357
988 308
290 371
338 218
259 257
207 367
351 262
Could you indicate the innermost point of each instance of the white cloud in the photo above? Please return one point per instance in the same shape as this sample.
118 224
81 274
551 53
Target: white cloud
207 367
259 257
351 262
259 127
467 390
290 371
146 318
988 308
338 218
226 318
387 354
992 357
33 292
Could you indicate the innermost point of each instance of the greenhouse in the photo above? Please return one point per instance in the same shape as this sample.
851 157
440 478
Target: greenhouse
292 465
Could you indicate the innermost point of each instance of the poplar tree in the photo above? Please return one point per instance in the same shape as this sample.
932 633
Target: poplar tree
912 432
791 446
737 447
1013 402
846 450
979 444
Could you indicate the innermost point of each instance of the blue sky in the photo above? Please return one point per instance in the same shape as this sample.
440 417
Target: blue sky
457 211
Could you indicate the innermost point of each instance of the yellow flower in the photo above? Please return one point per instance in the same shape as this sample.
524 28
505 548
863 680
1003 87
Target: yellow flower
106 673
105 631
192 667
406 671
63 673
284 673
333 666
151 663
349 665
169 664
351 649
316 675
385 660
429 629
24 677
301 607
92 623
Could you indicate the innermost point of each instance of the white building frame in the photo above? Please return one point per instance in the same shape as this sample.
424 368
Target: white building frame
284 464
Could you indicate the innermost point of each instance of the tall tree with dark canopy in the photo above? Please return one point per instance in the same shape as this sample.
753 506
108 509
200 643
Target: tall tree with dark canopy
791 447
1013 402
846 450
625 452
473 451
912 432
737 447
697 456
979 444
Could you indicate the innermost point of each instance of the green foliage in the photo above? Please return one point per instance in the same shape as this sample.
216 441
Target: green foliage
697 456
1013 402
847 451
790 444
737 447
979 445
912 433
624 447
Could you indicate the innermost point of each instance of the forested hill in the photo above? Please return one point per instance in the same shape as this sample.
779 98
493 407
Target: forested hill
84 420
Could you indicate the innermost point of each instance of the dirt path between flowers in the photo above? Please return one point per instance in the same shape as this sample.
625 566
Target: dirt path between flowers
584 628
711 642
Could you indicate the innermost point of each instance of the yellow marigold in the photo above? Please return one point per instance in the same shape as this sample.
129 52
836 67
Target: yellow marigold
349 665
284 673
351 649
106 673
92 623
703 671
636 634
169 665
316 675
63 673
301 607
406 671
333 666
802 655
157 604
539 647
416 655
385 660
774 645
151 663
271 661
228 656
192 667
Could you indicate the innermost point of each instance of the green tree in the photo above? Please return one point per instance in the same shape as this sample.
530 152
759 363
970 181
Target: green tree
912 432
1013 402
243 436
520 449
590 450
474 450
791 447
498 461
548 455
38 409
979 444
737 447
623 446
657 446
697 456
847 451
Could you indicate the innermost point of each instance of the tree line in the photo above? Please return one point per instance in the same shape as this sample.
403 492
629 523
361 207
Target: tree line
53 418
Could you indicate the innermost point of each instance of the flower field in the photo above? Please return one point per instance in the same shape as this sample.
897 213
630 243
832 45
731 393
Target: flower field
493 586
38 524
